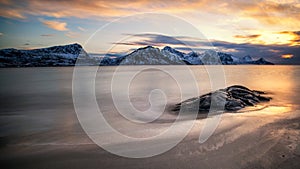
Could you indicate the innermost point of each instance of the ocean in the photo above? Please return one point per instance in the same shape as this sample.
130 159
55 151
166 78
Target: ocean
37 114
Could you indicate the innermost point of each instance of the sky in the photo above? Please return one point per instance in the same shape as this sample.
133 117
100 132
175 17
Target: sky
259 28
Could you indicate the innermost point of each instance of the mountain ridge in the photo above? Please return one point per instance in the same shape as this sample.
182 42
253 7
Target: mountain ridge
145 55
61 55
67 55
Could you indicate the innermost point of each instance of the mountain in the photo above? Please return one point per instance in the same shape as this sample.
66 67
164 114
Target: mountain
261 61
68 55
169 56
52 56
151 56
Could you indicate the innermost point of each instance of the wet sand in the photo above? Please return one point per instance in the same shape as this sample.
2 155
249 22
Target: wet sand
245 140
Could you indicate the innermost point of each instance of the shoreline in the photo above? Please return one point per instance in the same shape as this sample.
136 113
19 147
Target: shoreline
270 144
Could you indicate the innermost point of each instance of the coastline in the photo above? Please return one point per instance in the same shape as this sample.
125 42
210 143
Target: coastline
268 143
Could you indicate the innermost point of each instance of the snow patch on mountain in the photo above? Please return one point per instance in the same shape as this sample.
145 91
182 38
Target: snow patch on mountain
151 56
154 56
69 55
65 55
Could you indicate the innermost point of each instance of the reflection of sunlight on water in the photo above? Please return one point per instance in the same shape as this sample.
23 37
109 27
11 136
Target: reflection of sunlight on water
236 125
267 109
263 77
280 81
261 110
272 110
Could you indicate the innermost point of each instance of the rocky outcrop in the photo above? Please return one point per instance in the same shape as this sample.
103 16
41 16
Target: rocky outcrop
232 98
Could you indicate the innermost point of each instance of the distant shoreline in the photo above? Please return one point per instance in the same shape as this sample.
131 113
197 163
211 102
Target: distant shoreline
72 54
131 65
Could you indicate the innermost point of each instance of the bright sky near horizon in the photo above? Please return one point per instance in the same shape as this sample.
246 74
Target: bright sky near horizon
260 28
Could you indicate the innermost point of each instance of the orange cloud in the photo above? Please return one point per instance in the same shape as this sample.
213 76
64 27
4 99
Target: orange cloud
260 14
253 38
263 10
247 36
11 13
294 37
289 38
71 34
287 56
274 13
56 25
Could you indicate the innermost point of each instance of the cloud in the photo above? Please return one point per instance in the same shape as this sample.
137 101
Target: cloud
253 38
287 56
290 38
262 16
66 8
71 34
272 52
265 11
294 37
81 29
247 36
56 25
12 9
162 40
47 35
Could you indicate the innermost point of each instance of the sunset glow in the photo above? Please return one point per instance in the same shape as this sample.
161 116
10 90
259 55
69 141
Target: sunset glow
287 56
269 24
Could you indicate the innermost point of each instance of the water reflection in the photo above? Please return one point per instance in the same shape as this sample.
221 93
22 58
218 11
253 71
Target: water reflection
280 81
37 100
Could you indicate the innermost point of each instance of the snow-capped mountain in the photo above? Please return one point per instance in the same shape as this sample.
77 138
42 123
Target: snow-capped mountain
53 56
151 55
67 55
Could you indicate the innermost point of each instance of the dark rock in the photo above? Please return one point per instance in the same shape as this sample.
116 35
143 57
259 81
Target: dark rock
232 98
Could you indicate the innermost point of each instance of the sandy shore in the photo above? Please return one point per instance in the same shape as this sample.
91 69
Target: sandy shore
262 139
